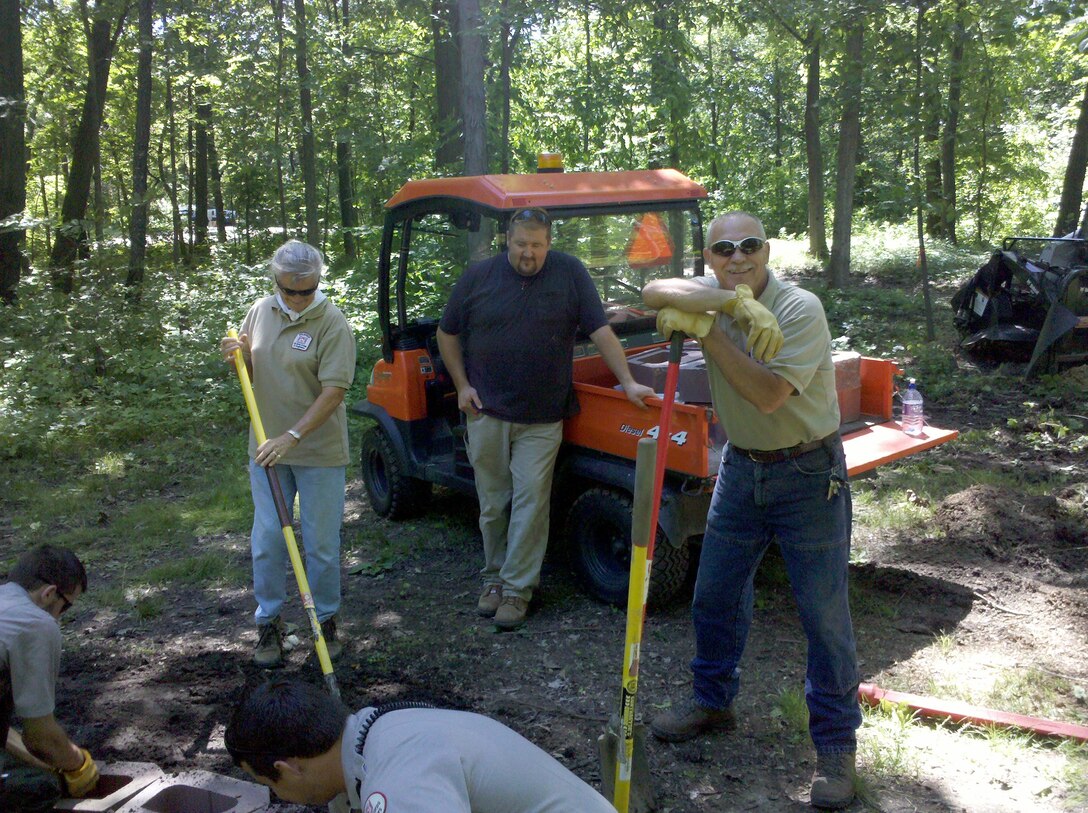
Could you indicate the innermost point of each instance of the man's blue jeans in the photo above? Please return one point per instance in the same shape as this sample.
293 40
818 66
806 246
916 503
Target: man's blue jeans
321 505
789 501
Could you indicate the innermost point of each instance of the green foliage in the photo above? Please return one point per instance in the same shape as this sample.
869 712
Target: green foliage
790 707
884 741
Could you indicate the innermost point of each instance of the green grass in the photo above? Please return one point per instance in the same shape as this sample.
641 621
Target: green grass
884 746
208 568
790 707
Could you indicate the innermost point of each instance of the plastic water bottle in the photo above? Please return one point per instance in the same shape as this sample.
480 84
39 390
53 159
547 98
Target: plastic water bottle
913 420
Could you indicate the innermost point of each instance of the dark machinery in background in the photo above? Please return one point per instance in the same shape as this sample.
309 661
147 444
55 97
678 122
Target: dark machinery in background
1028 303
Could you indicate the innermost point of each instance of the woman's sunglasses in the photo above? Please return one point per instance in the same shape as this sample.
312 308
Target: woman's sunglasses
749 245
296 291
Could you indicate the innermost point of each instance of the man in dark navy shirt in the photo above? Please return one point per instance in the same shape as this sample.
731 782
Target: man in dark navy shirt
507 338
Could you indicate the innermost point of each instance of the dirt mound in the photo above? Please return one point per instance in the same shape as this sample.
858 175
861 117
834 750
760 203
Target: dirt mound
1009 526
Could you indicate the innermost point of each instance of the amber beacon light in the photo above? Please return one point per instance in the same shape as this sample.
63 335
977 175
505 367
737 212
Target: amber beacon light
549 162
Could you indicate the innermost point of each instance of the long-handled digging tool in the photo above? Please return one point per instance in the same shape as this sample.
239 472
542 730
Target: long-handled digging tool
288 529
624 768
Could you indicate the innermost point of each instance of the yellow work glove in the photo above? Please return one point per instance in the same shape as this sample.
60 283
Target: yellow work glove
695 325
764 334
81 781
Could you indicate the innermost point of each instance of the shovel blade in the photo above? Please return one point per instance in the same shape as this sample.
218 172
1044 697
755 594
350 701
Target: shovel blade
610 745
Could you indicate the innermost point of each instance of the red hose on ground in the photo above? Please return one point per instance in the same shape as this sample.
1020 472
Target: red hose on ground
962 712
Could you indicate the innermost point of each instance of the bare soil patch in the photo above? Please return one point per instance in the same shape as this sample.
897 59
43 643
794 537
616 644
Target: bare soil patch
1002 577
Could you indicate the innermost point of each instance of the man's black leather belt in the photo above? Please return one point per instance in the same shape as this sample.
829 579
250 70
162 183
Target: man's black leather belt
778 455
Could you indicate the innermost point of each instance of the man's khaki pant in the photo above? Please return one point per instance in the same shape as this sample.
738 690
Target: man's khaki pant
513 463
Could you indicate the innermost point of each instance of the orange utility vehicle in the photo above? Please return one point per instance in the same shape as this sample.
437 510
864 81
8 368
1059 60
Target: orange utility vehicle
627 227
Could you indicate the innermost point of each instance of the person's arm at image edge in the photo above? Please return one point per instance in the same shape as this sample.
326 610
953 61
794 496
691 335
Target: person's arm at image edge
608 345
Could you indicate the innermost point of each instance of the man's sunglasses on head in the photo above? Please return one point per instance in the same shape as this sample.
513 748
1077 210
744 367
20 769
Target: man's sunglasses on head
531 216
749 245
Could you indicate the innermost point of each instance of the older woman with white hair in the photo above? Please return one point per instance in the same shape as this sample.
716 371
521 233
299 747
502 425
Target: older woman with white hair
301 356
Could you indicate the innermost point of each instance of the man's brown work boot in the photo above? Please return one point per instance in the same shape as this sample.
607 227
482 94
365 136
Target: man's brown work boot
689 719
490 599
269 651
511 613
833 781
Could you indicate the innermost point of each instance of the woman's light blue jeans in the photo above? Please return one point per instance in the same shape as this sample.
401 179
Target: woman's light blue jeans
790 501
321 505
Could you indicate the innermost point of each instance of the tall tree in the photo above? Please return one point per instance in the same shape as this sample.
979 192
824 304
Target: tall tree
12 150
472 85
817 234
104 25
201 125
473 101
344 181
445 28
951 124
849 139
215 172
281 185
1073 184
804 22
920 94
137 235
308 154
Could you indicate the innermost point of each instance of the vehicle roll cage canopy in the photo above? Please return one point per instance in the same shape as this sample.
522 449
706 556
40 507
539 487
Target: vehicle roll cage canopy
468 200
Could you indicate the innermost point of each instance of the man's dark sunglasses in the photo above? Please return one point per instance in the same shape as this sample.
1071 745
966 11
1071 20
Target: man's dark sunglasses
749 245
296 291
531 216
64 598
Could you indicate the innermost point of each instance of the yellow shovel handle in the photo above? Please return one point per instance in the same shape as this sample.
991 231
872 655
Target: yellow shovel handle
285 521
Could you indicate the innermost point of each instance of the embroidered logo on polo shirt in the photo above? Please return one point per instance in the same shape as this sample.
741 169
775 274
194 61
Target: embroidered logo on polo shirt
375 803
302 341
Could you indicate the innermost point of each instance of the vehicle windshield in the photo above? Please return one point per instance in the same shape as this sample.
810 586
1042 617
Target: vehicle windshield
622 251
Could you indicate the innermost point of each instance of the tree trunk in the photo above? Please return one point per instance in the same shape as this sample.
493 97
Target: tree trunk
447 85
509 40
345 190
12 149
983 159
715 167
931 116
473 103
200 178
281 186
846 169
307 150
137 234
1072 186
216 177
948 143
921 94
99 208
172 189
72 233
472 87
817 235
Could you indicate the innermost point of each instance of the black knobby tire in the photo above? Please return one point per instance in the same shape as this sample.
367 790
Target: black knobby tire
392 493
598 532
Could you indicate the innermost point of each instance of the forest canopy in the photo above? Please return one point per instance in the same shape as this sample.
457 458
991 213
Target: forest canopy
183 124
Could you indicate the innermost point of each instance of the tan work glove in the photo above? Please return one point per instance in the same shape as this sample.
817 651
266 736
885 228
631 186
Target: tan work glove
695 325
764 334
81 781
